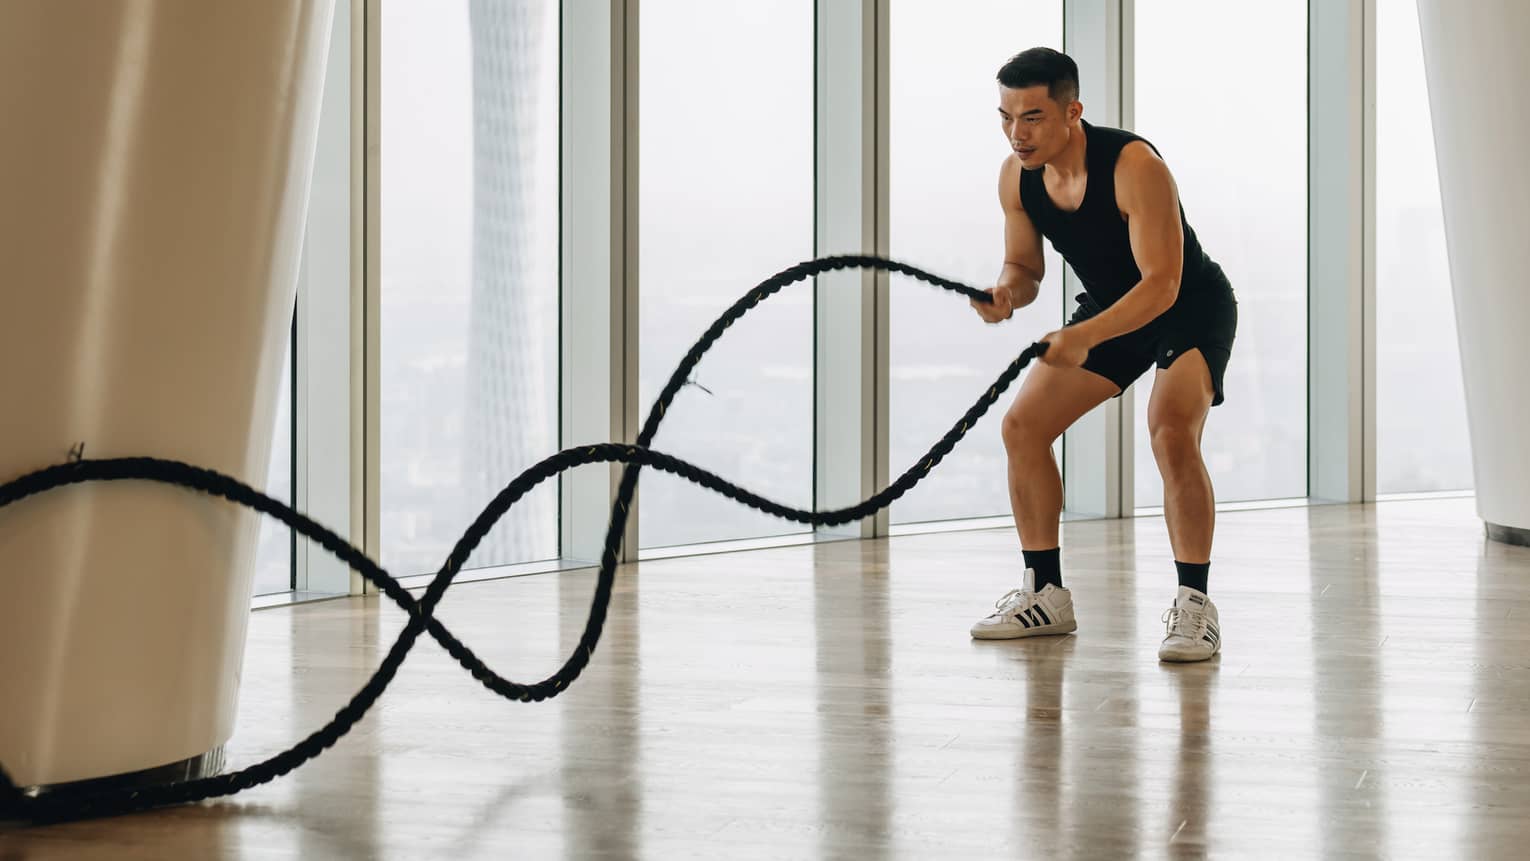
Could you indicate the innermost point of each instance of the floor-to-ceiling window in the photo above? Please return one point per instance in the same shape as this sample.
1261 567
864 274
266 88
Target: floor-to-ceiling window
469 210
1221 90
726 171
1421 434
726 199
946 147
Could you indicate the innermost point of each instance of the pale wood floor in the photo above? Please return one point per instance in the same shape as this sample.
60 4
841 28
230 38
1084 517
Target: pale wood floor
1373 700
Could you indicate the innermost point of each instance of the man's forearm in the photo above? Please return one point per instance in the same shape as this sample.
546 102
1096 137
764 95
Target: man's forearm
1140 306
1021 284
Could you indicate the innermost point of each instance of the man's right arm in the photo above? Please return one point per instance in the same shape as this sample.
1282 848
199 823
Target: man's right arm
1024 264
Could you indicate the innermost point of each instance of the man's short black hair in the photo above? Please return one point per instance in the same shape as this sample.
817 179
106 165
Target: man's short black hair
1037 66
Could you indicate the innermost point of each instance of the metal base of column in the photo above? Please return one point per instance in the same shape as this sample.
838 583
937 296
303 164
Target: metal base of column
1508 534
197 767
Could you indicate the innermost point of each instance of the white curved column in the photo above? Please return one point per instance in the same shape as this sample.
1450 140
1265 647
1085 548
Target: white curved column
1478 69
156 164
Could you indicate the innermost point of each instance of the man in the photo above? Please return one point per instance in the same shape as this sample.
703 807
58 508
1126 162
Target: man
1109 205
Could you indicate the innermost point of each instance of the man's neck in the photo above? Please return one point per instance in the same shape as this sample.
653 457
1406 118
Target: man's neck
1071 162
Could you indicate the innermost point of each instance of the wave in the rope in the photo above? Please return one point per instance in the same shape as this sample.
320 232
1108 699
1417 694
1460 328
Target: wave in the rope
66 803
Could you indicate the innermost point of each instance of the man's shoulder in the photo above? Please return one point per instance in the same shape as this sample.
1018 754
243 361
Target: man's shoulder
1138 155
1140 175
1011 178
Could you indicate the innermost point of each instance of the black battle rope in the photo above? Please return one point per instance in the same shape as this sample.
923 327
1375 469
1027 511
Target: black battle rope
76 803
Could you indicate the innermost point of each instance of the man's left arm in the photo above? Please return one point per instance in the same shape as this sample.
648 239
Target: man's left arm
1147 196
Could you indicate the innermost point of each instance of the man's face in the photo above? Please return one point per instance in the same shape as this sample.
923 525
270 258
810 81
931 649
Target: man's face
1037 127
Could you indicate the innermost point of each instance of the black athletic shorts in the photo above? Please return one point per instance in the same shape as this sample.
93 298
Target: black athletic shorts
1208 324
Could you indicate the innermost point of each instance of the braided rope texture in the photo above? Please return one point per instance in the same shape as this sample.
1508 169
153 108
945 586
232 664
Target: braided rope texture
70 804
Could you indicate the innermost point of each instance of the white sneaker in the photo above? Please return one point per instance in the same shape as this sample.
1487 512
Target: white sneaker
1192 631
1024 612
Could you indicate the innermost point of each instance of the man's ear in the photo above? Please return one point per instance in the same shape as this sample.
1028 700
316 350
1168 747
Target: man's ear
1075 110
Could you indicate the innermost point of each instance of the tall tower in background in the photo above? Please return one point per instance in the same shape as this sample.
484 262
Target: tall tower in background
511 349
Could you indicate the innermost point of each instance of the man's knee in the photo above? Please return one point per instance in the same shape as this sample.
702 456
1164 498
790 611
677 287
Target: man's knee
1023 434
1175 446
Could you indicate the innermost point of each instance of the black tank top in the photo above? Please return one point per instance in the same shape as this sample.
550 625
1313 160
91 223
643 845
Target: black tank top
1094 238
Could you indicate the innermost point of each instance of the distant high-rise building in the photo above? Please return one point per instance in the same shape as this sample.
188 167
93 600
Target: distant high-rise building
508 398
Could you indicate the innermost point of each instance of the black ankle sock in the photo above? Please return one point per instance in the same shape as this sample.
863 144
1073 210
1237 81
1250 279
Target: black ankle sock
1047 566
1193 575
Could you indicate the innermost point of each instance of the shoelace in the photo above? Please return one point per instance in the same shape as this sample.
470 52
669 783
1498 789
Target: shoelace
1184 623
1015 598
